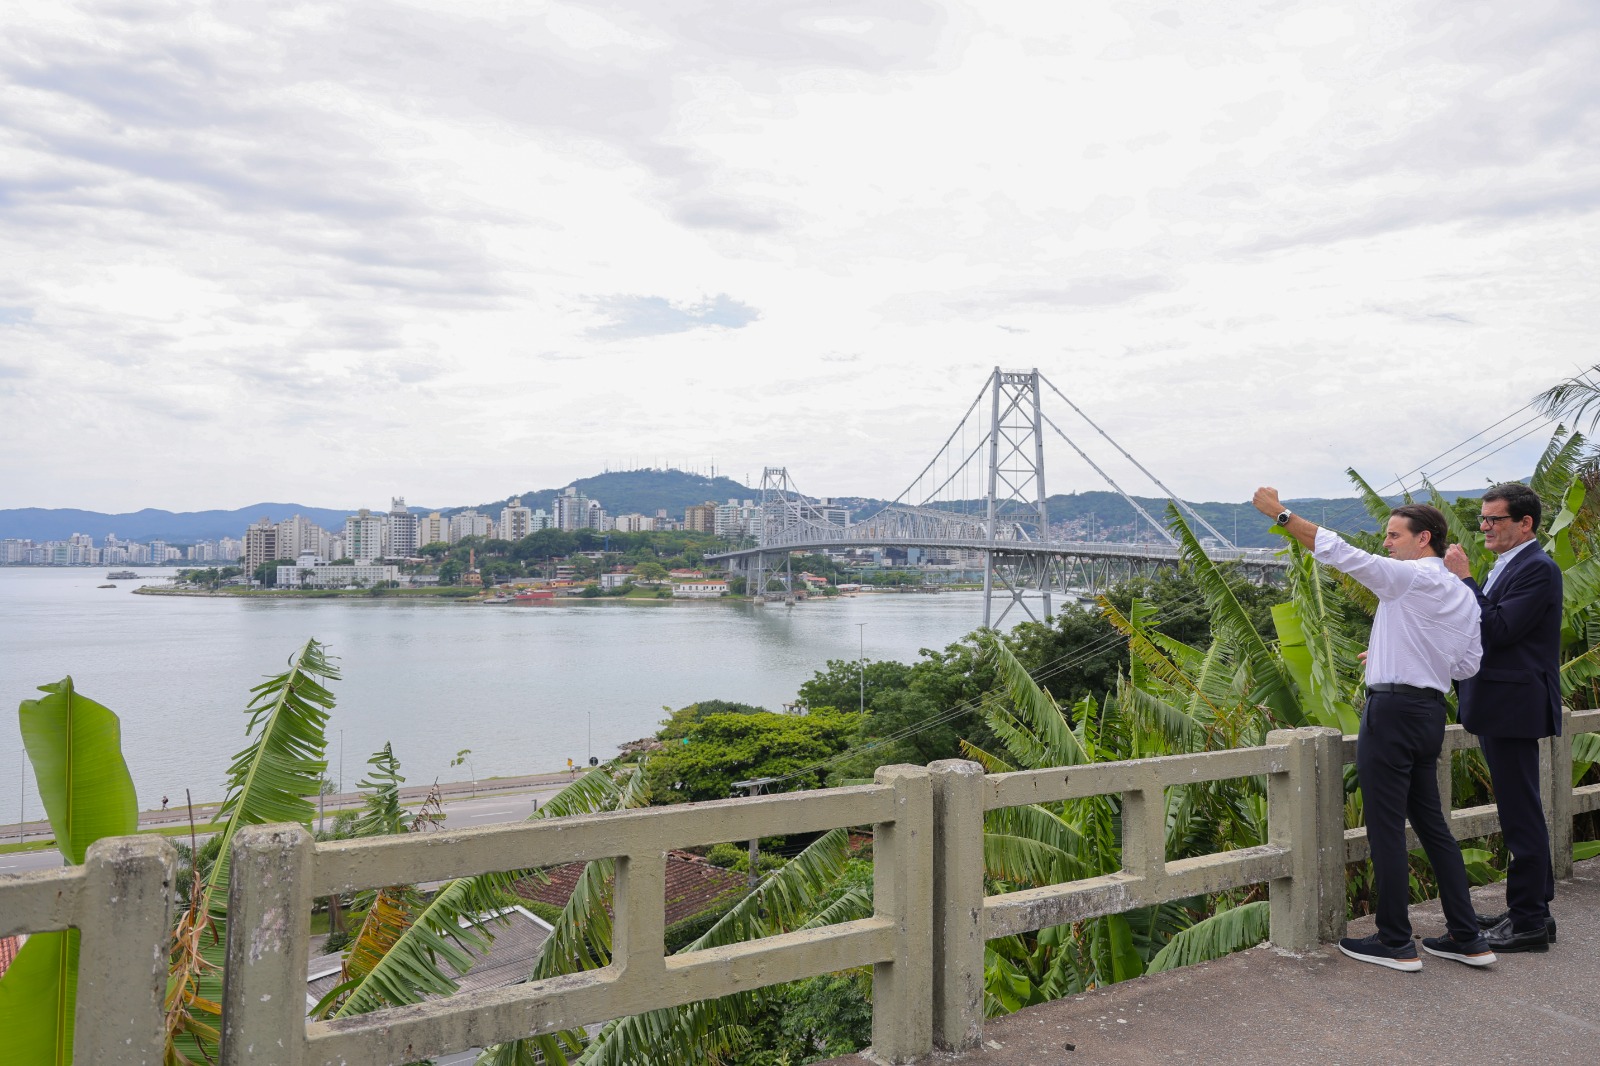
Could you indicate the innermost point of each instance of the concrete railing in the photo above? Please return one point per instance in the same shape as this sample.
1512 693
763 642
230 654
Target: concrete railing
925 940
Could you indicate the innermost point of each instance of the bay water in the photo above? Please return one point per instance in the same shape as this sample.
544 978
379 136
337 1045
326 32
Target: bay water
525 688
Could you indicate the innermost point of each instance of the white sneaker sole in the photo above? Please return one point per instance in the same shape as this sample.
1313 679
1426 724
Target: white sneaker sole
1486 958
1407 965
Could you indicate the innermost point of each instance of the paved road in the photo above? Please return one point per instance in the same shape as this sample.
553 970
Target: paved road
498 801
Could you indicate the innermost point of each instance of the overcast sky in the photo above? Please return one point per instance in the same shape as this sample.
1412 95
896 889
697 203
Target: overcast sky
332 252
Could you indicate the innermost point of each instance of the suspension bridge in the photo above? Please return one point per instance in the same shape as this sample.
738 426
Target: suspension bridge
1005 530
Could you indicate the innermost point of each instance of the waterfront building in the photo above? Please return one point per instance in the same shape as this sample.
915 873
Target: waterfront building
364 536
229 550
402 530
336 576
700 517
699 590
12 549
516 521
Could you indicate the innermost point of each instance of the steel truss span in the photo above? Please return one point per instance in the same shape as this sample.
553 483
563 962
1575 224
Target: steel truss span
1010 535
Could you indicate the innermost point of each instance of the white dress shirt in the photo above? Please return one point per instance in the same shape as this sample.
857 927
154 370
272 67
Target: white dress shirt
1426 630
1500 562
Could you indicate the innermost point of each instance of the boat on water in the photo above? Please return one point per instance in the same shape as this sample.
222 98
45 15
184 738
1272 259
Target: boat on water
528 596
121 575
105 586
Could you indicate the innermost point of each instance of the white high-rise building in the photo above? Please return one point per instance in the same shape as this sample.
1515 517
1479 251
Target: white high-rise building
364 536
635 523
516 521
470 524
402 529
573 510
735 519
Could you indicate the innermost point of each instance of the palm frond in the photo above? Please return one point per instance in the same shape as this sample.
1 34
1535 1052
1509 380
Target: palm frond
1221 934
1271 685
1037 709
273 778
1377 507
1572 401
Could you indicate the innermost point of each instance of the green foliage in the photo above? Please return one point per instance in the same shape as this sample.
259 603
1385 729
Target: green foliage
724 748
75 746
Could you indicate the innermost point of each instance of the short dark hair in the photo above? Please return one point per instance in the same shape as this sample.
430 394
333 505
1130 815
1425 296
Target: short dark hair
1520 501
1422 518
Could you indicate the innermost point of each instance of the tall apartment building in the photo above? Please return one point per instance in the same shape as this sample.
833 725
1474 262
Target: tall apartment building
516 521
470 524
735 519
298 535
260 545
229 550
402 529
364 536
573 510
433 528
700 517
635 523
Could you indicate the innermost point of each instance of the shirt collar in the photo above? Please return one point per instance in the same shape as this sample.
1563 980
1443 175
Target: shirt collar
1505 556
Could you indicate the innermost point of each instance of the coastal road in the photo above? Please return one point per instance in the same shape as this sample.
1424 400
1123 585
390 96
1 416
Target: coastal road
496 802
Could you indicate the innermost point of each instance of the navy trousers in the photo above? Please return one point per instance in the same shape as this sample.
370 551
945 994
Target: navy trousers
1530 882
1396 759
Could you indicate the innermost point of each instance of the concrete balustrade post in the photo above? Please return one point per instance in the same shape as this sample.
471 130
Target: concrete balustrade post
958 939
1144 832
640 908
269 910
902 887
124 924
1292 824
1332 909
1558 797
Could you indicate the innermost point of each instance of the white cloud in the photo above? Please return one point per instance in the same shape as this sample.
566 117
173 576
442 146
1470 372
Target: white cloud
329 251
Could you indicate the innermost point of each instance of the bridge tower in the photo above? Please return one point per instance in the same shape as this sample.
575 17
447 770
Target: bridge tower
1016 498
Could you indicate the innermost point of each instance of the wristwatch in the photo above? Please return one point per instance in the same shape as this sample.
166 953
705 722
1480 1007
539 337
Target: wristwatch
1283 517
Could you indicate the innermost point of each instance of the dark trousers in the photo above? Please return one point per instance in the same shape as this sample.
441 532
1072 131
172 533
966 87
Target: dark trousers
1530 882
1396 758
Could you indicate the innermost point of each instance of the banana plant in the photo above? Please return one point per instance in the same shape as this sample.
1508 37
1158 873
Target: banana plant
75 746
275 778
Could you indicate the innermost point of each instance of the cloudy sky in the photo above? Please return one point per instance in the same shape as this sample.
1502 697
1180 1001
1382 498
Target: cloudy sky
328 252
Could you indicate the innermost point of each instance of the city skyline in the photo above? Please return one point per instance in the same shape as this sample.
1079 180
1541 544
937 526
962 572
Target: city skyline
250 261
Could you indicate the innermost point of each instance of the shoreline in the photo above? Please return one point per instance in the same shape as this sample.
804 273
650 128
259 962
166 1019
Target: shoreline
450 595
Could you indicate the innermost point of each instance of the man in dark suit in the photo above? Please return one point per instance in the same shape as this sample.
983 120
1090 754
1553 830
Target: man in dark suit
1514 700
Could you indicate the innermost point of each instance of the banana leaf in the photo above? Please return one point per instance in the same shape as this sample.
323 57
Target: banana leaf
75 746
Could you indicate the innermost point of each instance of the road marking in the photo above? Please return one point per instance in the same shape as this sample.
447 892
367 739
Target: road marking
490 814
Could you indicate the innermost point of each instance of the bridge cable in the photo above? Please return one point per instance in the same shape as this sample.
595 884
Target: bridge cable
1108 480
942 448
1174 497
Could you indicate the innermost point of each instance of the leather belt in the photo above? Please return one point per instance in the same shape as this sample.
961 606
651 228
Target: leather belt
1406 690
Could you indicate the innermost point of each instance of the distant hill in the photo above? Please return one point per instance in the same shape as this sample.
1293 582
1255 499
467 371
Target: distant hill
643 491
636 492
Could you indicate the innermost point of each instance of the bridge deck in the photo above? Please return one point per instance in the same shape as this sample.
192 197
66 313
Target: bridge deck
1261 1007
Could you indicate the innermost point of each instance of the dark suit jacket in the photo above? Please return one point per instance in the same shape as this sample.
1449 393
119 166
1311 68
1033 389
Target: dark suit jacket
1516 692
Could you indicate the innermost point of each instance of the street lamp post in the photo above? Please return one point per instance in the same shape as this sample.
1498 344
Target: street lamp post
861 661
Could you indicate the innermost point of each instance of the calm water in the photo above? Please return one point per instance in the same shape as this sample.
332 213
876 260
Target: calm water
521 686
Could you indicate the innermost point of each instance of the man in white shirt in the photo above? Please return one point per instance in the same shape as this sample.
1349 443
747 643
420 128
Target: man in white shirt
1425 635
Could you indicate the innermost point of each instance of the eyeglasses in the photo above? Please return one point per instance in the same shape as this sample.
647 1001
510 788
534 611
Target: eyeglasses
1491 519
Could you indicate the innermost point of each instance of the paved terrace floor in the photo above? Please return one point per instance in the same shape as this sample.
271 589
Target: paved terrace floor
1264 1007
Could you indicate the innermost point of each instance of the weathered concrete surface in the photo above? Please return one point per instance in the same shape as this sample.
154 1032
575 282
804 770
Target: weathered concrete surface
1261 1007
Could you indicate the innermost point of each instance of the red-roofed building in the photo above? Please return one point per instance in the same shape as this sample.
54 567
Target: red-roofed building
693 885
9 946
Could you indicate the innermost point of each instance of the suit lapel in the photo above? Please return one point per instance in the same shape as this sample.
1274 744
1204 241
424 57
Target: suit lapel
1517 562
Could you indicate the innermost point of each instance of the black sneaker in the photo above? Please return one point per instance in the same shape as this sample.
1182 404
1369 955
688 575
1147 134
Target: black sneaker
1371 949
1474 952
